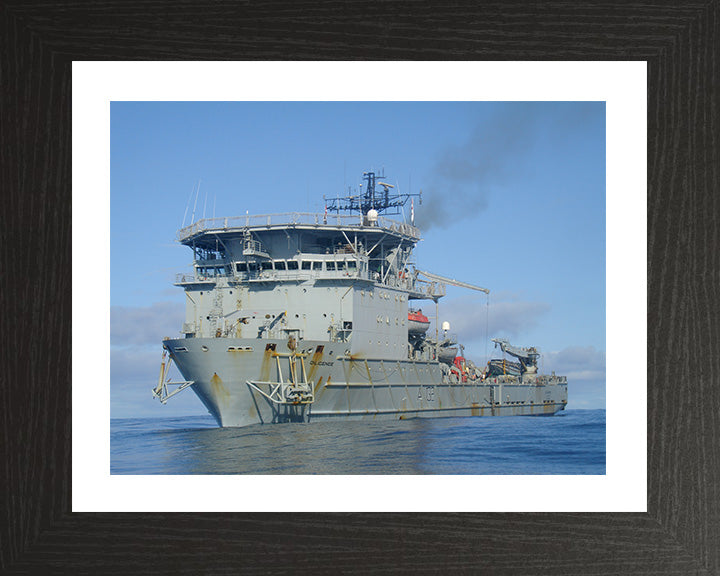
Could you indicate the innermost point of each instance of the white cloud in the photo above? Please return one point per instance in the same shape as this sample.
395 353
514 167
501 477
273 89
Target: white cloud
137 326
135 354
584 367
135 364
579 363
585 374
469 317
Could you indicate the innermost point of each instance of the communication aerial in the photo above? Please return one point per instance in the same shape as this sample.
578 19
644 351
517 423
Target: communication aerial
385 201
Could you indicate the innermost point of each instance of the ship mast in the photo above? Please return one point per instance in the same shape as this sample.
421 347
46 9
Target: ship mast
388 200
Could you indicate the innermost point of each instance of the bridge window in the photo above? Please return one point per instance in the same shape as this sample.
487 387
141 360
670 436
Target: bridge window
266 265
208 272
241 267
317 265
341 265
292 265
280 265
330 266
306 265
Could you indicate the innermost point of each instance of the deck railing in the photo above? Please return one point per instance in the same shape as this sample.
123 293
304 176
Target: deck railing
291 219
404 283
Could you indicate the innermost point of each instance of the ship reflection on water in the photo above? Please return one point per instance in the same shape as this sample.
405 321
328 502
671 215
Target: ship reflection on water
301 448
570 443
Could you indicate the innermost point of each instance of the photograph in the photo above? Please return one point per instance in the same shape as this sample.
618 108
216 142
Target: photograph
358 287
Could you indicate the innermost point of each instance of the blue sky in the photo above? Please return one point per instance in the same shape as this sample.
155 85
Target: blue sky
513 200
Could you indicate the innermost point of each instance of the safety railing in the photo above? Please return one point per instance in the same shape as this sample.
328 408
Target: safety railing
192 278
291 219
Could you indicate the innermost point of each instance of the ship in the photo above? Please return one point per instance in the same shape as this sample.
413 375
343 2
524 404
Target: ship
300 317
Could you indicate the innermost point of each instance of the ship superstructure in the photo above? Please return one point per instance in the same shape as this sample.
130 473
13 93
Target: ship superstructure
299 316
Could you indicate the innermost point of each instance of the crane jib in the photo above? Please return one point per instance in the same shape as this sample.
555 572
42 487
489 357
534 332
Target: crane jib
452 281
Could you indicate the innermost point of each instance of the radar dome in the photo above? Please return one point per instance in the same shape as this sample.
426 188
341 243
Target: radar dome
372 215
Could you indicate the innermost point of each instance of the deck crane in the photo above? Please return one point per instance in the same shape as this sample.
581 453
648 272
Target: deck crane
436 290
451 281
528 357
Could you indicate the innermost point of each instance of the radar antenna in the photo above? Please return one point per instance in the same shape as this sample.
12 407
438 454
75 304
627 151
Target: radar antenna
388 200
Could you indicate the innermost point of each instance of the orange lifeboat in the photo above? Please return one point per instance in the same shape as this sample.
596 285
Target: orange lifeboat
418 323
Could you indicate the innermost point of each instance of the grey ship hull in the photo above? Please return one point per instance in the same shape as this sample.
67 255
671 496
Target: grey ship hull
233 378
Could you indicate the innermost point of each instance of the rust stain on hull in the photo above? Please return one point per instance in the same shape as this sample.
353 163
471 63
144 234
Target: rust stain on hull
314 363
317 386
475 409
265 366
220 392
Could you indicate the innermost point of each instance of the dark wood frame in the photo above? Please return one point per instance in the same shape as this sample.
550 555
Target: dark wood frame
680 533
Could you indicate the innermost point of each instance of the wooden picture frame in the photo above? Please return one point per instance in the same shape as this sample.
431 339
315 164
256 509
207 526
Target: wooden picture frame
680 533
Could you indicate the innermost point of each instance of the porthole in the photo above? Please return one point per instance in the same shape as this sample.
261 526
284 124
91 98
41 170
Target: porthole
204 348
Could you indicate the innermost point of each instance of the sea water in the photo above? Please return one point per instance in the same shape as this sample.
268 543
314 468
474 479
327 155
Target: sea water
570 442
